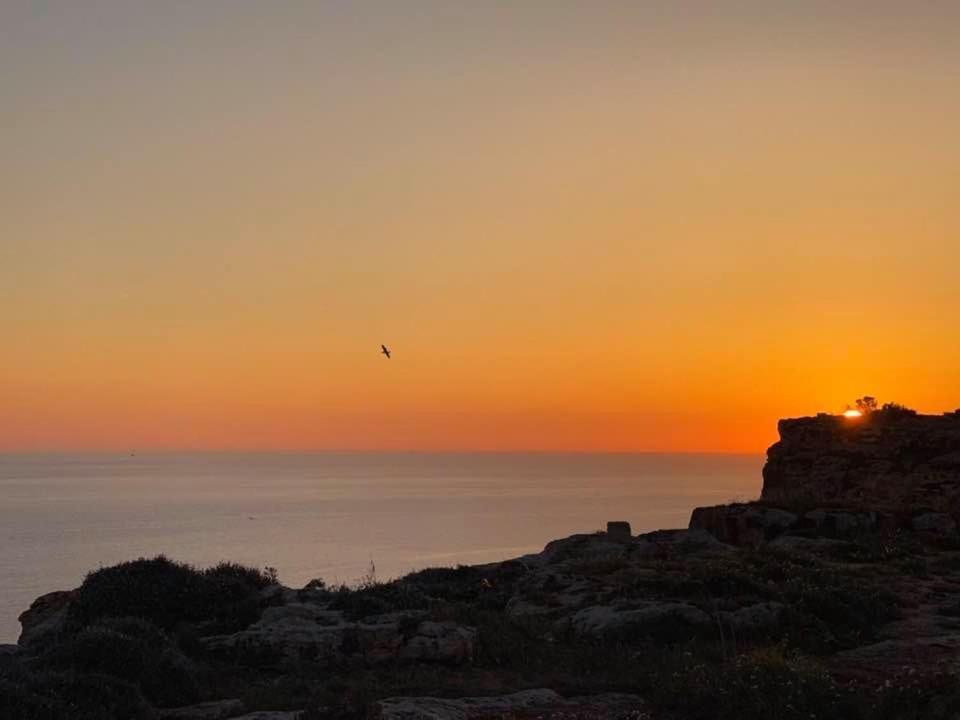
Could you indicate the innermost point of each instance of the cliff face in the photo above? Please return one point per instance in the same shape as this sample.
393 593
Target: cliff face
893 461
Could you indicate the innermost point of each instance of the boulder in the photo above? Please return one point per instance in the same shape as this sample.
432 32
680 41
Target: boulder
444 642
215 710
671 542
661 619
46 617
295 631
543 704
304 631
742 523
757 618
593 546
472 708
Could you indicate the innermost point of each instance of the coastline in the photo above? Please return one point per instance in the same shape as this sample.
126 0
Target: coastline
808 602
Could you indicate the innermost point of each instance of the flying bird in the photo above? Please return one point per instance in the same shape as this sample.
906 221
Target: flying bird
385 351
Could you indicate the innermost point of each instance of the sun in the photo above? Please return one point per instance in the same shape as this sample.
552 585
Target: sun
852 413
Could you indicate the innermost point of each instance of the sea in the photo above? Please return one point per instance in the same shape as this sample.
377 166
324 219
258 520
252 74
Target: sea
340 516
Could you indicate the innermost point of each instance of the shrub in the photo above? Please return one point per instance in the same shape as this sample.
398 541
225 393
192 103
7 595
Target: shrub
376 599
895 410
159 590
761 685
167 593
229 601
133 651
251 577
57 695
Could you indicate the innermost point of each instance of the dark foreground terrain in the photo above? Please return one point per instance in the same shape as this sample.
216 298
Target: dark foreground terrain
807 604
829 621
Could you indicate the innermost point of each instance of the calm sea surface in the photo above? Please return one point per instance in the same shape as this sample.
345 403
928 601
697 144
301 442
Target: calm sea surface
329 515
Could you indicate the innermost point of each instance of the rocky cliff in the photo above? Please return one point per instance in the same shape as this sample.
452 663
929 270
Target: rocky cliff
836 595
885 461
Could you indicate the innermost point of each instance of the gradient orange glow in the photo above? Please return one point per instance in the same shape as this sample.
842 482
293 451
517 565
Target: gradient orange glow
603 226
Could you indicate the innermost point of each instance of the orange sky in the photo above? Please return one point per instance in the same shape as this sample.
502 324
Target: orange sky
623 226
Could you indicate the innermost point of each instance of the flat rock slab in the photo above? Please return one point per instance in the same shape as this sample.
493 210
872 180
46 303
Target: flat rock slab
215 710
526 705
889 657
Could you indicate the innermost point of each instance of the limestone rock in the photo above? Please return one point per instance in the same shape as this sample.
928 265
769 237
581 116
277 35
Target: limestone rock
45 617
295 631
742 523
545 704
594 546
892 461
690 541
215 710
676 619
445 642
428 708
304 631
757 618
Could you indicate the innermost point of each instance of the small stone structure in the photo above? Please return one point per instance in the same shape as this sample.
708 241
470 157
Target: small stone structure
619 531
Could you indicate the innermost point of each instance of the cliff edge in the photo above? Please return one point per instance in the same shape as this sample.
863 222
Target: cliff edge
894 461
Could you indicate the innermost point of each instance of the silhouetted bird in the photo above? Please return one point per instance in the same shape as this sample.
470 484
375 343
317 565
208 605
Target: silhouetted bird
385 351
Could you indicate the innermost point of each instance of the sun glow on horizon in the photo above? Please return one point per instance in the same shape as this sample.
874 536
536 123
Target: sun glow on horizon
852 413
611 226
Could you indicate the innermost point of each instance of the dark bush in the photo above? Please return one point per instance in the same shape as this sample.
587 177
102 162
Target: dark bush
60 695
892 410
251 577
229 601
166 593
133 651
377 598
762 685
159 590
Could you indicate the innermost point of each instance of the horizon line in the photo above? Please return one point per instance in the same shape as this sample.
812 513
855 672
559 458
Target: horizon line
371 451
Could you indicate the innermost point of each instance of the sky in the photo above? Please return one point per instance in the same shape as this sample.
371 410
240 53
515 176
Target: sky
650 226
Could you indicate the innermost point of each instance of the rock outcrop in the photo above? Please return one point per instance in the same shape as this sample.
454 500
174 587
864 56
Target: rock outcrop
742 523
45 617
298 631
222 710
851 556
215 710
540 703
892 461
832 476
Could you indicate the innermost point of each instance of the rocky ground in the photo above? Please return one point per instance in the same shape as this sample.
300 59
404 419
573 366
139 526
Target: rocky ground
755 612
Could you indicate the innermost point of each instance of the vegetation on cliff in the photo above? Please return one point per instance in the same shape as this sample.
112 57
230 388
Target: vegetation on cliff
689 627
787 611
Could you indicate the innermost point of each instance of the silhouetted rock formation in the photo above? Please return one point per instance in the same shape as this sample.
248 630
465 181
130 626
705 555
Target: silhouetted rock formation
891 461
816 598
45 616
